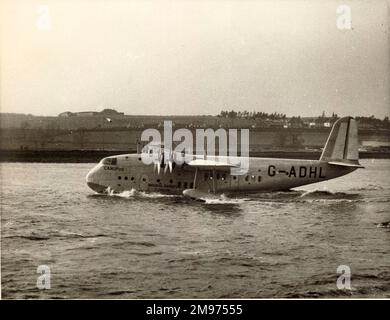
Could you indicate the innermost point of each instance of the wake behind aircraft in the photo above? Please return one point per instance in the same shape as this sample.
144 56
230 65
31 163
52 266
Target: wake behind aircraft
209 176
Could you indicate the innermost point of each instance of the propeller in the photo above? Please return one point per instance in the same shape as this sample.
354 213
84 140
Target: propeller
158 168
157 163
166 167
170 161
164 157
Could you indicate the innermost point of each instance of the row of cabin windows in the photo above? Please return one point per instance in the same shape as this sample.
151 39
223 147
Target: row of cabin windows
185 184
179 184
125 178
223 177
218 176
206 177
253 178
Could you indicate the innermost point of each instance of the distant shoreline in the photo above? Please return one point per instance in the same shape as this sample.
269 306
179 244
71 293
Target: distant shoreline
88 156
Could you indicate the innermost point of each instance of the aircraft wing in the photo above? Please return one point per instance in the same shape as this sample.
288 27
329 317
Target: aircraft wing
210 164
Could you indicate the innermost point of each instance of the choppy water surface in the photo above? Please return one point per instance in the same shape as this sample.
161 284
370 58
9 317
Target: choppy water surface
137 245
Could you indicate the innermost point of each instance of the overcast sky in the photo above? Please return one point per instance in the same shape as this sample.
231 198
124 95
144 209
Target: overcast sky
194 57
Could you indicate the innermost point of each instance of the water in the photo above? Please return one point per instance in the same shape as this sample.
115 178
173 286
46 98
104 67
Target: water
138 245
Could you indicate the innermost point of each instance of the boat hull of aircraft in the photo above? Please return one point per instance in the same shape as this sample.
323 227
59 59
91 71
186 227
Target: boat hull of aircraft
268 174
212 175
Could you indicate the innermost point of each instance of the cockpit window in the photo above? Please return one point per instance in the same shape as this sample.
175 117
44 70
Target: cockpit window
110 161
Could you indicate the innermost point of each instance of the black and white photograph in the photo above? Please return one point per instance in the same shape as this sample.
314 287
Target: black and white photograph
200 149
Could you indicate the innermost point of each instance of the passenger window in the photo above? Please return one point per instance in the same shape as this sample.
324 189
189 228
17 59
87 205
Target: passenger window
247 178
126 178
185 185
259 179
224 176
192 185
179 184
119 177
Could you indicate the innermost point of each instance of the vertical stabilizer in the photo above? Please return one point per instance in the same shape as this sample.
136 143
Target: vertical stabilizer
342 143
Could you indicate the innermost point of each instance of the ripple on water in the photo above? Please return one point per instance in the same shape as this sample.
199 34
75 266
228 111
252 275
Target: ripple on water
138 244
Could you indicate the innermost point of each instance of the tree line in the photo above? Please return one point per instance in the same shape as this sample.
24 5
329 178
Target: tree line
252 115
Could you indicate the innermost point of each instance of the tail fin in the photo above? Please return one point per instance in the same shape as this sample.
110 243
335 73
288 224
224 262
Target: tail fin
342 145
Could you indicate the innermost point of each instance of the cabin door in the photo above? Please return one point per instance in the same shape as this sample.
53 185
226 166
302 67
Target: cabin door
205 180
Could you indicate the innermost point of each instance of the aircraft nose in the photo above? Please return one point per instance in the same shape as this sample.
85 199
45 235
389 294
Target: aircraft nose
91 175
93 182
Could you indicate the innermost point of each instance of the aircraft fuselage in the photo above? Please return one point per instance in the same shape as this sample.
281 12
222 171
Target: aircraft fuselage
265 174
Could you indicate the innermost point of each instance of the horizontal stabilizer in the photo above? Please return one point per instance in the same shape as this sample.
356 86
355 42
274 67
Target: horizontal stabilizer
346 164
